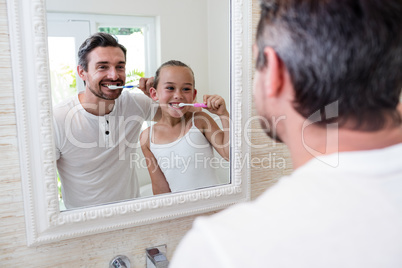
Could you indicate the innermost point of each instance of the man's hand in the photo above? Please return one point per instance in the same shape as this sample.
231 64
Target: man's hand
145 84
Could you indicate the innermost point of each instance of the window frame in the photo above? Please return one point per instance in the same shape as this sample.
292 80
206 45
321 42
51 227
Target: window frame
99 20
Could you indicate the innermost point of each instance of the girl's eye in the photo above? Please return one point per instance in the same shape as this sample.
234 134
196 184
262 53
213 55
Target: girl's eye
186 89
170 88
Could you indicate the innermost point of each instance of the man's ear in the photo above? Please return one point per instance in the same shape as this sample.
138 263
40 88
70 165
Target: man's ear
273 73
152 93
81 72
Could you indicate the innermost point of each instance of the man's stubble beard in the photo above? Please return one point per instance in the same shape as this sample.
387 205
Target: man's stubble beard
101 95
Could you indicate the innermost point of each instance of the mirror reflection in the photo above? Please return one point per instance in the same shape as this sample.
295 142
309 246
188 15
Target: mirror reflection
100 158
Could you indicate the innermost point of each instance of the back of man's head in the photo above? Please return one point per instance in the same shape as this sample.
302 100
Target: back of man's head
348 51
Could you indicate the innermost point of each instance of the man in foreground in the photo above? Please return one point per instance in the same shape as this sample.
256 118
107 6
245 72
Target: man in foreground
332 69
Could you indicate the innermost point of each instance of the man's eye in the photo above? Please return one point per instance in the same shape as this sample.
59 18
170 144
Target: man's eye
186 89
102 67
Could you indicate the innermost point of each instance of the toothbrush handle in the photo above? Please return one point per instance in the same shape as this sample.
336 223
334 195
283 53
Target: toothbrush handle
200 105
128 86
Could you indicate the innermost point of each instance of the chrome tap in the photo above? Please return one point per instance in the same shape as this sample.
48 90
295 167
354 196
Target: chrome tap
120 262
156 257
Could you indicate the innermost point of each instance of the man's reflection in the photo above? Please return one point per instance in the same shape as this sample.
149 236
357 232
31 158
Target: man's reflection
95 131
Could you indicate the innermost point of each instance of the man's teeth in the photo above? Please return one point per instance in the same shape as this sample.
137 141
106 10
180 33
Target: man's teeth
106 85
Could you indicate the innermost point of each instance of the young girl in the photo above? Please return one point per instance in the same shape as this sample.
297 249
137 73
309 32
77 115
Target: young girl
178 148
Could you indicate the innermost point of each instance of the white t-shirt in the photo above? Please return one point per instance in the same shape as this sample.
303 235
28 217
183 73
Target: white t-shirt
349 215
95 153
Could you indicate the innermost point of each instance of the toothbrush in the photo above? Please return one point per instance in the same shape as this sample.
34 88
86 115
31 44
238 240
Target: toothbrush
118 87
193 104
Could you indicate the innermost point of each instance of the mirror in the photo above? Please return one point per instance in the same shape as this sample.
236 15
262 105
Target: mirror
44 220
202 42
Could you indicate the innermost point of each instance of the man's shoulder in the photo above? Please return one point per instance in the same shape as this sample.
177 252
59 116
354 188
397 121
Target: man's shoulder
129 96
288 198
132 102
62 108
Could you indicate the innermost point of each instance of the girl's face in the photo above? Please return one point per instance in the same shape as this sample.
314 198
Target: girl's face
176 85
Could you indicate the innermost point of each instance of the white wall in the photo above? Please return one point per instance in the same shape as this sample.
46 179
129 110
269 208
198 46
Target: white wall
218 48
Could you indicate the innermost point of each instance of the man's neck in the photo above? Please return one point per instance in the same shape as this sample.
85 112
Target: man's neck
95 105
321 141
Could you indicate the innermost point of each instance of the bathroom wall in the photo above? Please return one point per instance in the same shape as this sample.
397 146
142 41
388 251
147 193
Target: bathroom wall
95 250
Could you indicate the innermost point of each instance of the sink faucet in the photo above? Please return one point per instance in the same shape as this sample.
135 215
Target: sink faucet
156 257
120 261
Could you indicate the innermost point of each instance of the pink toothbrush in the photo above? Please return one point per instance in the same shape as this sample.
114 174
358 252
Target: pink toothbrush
193 104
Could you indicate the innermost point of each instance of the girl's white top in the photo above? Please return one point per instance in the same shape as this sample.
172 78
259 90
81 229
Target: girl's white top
189 162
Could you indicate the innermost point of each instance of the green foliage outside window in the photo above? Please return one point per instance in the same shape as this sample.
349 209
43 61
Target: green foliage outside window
119 31
134 76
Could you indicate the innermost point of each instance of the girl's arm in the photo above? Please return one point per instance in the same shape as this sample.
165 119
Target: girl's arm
219 138
159 182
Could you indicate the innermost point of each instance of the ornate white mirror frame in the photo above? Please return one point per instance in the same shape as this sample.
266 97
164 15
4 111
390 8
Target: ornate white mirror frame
44 221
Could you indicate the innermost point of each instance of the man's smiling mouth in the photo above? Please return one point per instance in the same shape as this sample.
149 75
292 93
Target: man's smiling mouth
111 84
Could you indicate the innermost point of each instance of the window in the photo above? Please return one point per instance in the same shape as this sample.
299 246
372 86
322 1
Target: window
66 32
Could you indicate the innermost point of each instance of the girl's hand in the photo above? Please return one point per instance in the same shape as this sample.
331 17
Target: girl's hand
216 104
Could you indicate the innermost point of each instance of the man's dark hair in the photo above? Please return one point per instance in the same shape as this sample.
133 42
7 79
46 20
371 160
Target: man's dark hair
94 41
345 51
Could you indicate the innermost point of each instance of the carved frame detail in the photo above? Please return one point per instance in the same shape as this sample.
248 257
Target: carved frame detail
45 223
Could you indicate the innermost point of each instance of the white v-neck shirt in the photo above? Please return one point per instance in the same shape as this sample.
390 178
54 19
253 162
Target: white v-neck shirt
95 153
